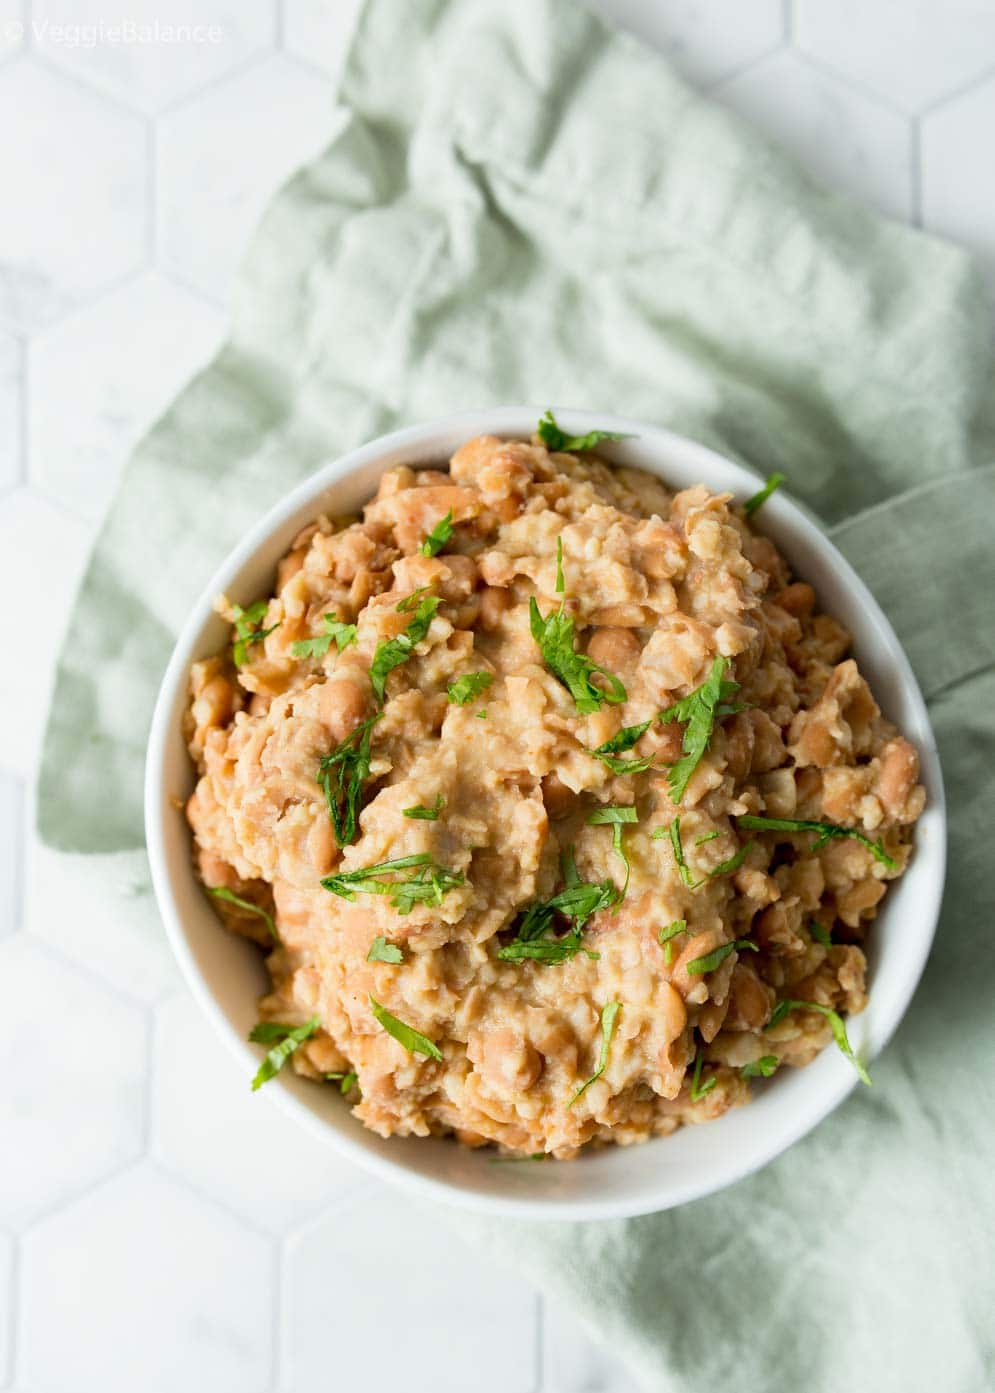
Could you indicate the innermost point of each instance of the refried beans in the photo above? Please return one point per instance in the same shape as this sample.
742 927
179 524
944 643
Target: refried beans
559 809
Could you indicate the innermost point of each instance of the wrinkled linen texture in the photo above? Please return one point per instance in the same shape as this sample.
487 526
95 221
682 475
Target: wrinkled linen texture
521 205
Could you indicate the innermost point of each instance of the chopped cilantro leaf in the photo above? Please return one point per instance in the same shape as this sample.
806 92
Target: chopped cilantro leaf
827 832
391 653
555 439
752 504
610 751
616 818
698 711
221 892
609 1015
698 1089
733 863
335 632
412 1040
426 885
345 1081
679 926
439 536
576 671
288 1038
820 934
247 629
470 685
342 776
760 1068
697 967
674 833
383 952
561 584
836 1025
426 814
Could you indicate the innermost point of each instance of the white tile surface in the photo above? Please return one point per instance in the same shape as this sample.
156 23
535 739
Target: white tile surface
12 830
204 1269
42 550
75 210
7 1306
235 1143
220 158
11 371
572 1363
72 1105
147 54
319 32
912 52
843 137
141 343
705 41
958 172
120 941
354 1262
142 1285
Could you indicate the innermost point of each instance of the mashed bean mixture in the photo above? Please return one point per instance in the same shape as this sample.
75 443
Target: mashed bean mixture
678 923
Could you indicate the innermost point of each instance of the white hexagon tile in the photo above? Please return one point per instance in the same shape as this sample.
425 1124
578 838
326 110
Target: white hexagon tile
75 207
198 42
164 1246
11 379
958 173
144 1285
142 342
843 137
77 1114
222 155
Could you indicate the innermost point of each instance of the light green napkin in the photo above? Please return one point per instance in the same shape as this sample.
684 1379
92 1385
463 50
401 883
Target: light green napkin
524 206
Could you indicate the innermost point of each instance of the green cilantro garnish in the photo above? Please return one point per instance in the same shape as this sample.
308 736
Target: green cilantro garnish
836 1025
699 710
623 740
439 536
342 776
577 901
827 832
561 584
760 1068
393 652
470 685
383 952
221 892
555 637
427 885
674 833
820 934
335 632
752 504
426 814
733 863
555 439
344 1081
609 1015
482 715
698 1089
247 630
616 818
708 837
288 1038
412 1040
697 967
679 926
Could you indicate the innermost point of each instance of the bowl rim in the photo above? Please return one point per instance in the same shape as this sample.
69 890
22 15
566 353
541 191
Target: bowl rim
518 422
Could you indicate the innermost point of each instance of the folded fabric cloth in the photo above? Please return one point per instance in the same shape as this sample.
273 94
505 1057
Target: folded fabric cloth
522 205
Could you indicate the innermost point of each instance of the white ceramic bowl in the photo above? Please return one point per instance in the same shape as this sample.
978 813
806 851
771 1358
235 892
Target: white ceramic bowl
226 974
